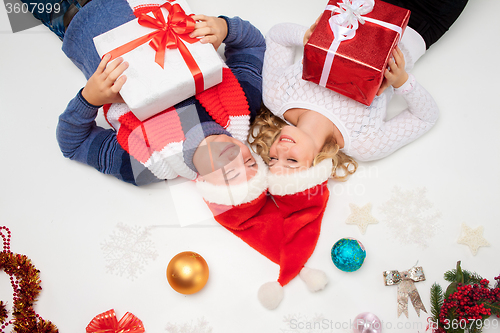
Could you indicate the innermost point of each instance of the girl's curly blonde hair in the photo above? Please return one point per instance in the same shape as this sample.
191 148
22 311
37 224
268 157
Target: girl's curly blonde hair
267 127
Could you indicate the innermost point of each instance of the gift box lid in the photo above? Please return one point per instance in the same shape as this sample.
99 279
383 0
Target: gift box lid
359 63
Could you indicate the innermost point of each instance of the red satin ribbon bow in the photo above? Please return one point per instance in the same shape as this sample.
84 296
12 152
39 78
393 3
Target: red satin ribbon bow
168 34
106 323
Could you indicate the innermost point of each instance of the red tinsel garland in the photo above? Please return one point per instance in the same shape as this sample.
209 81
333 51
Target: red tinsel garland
25 281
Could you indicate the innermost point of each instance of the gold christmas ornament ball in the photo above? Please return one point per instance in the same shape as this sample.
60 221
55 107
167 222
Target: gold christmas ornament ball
187 272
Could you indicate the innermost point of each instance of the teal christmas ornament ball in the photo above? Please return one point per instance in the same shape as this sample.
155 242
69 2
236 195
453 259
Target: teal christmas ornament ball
348 254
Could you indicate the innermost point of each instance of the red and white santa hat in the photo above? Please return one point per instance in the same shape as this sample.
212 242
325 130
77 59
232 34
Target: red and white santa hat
301 198
285 228
293 183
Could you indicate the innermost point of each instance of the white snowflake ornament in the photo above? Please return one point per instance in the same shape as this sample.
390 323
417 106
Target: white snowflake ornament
411 216
128 250
201 326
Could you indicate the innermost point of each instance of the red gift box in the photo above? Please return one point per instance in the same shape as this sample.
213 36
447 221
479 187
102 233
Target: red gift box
354 67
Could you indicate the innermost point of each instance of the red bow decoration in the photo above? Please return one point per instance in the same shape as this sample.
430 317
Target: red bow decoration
106 323
168 34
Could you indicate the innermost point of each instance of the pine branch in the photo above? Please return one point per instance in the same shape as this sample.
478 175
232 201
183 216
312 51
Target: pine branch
451 276
455 275
472 277
437 299
495 307
469 277
475 329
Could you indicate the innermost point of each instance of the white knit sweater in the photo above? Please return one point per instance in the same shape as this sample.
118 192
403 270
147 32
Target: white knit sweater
367 134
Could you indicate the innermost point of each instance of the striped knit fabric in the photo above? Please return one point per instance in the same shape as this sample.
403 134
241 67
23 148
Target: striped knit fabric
227 105
158 141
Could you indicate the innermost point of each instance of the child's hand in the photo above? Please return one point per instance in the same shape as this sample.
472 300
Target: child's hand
104 85
397 75
309 31
212 29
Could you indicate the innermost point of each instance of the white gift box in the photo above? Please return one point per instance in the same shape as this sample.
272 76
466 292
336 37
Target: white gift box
149 88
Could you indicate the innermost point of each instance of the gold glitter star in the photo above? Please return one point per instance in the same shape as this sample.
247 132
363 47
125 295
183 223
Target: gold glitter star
361 216
473 238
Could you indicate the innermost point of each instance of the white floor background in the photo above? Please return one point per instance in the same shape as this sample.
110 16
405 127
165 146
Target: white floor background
101 244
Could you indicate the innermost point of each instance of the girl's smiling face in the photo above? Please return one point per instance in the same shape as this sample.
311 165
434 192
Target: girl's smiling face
292 151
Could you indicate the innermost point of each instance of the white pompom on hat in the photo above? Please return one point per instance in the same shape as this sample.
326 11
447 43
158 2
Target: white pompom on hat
270 295
314 279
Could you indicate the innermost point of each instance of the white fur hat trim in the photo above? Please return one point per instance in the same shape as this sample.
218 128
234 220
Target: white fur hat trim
235 195
300 181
